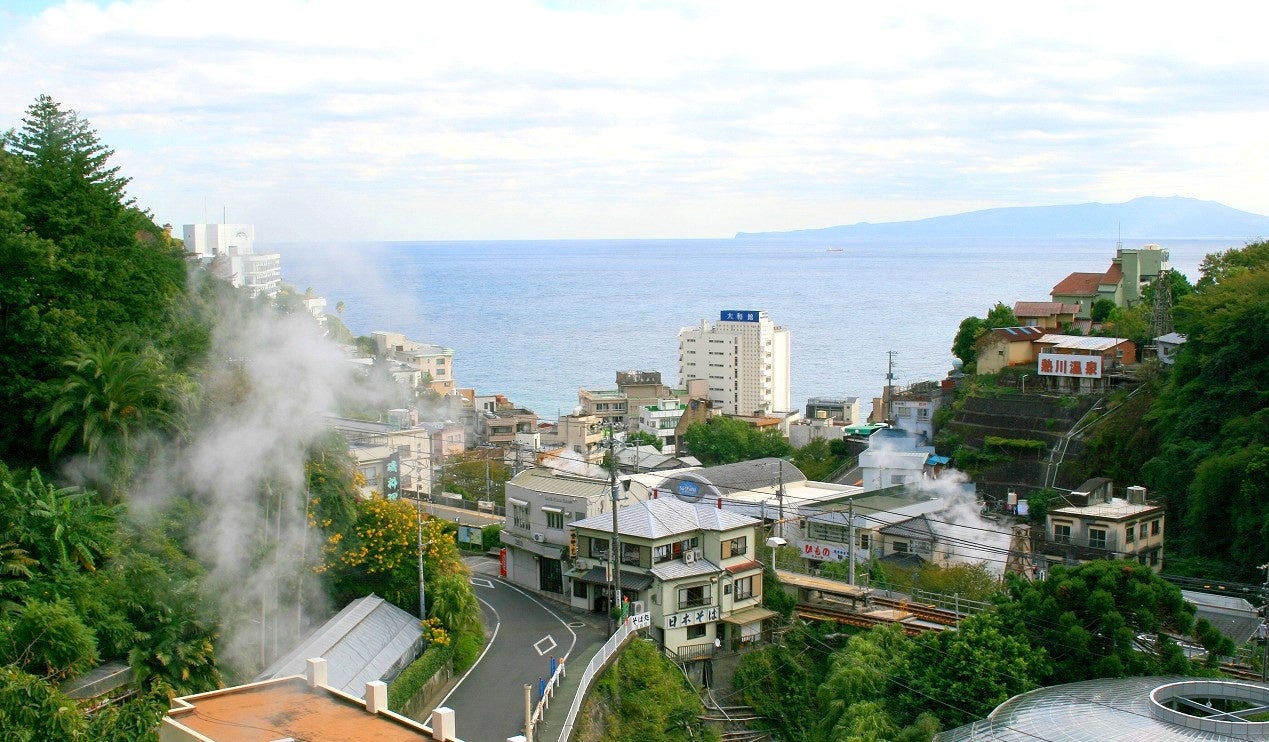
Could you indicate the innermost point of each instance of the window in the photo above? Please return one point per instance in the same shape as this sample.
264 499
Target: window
736 547
1130 533
694 597
630 554
599 548
1061 533
554 520
1154 527
901 547
696 631
865 541
1142 532
742 589
579 589
1097 538
520 516
828 532
897 479
663 553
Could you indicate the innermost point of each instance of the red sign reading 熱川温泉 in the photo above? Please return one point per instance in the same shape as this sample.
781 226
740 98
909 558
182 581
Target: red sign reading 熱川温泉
1076 366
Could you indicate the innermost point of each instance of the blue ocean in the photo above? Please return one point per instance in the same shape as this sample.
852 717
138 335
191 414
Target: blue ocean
537 320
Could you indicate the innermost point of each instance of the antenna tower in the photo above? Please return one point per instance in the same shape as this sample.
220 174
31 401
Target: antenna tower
1161 312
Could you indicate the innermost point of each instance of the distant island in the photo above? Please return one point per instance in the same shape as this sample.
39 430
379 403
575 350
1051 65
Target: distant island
1146 218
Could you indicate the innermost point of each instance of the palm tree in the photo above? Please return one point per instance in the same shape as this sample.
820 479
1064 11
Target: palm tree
64 526
109 396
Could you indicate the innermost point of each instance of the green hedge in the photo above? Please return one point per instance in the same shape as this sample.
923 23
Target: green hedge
416 675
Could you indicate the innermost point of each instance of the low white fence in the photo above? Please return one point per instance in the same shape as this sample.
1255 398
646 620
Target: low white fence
546 691
596 665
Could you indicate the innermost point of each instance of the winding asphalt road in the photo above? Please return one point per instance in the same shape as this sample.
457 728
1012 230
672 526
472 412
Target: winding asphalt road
527 631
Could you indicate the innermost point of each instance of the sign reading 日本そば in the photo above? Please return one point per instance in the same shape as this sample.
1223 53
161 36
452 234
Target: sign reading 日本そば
738 315
1076 366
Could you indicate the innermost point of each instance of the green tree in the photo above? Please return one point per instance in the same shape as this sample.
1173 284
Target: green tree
642 438
1001 316
86 264
1101 310
1213 407
655 703
1087 618
48 640
962 675
477 475
110 396
965 344
726 440
861 673
32 709
971 330
816 460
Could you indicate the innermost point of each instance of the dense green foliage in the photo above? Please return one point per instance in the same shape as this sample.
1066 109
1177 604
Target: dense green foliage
818 459
643 438
971 330
106 339
82 264
1211 420
645 697
412 679
477 475
1103 619
726 440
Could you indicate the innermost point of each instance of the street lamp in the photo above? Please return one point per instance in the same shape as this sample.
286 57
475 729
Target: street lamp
775 542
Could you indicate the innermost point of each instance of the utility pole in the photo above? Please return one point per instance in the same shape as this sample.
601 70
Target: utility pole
850 538
1263 630
613 576
889 401
780 498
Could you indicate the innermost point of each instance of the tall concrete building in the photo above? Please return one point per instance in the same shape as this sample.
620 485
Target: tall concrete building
230 253
744 356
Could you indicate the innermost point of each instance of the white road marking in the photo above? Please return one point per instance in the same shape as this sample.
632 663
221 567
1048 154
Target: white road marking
481 582
541 650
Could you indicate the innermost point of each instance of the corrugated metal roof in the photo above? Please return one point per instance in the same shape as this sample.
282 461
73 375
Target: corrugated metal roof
370 639
678 569
664 517
545 480
1080 342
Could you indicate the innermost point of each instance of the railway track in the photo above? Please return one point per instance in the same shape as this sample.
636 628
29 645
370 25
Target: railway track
862 620
920 610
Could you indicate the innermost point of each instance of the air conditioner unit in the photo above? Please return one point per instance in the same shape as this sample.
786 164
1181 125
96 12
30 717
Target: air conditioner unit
637 607
539 537
689 556
698 554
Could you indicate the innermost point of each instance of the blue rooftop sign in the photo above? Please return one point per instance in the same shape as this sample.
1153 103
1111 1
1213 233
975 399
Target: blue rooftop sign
738 315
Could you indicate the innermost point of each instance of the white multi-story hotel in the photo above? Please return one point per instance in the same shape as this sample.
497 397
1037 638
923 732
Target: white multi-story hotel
230 252
744 356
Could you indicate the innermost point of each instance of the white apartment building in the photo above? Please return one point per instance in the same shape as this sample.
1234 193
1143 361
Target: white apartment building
661 420
744 356
229 250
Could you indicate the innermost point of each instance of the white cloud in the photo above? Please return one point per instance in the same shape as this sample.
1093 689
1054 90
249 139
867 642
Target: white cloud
418 120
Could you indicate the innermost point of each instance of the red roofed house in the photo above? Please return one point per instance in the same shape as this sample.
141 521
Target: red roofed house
1051 315
1130 271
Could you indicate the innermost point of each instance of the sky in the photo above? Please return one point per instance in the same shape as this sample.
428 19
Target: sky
327 120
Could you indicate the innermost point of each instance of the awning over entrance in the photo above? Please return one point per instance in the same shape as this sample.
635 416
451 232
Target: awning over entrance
747 616
629 580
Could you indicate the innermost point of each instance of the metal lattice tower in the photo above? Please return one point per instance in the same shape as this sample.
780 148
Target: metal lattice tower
1161 314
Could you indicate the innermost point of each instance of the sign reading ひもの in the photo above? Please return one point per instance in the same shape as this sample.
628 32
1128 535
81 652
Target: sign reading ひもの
1061 364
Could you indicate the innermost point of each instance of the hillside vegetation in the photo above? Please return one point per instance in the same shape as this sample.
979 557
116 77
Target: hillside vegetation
160 505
